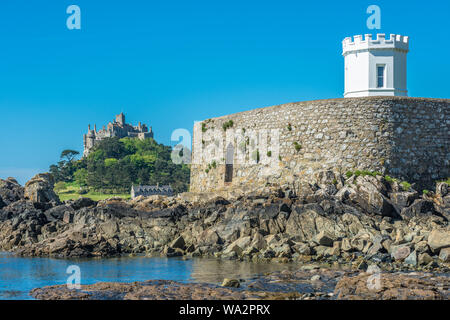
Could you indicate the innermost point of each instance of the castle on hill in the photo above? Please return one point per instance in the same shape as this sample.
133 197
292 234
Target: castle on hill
117 128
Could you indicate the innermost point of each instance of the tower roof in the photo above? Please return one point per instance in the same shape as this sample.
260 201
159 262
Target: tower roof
395 41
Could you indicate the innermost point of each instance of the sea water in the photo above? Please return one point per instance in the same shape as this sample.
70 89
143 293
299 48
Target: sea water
19 275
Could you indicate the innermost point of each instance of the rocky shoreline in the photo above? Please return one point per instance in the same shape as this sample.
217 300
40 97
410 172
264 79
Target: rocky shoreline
307 283
354 222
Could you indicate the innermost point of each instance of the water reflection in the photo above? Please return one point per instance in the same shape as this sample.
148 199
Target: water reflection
214 271
18 275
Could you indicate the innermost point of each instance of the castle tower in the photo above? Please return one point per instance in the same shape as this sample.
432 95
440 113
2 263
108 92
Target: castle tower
88 140
120 119
375 67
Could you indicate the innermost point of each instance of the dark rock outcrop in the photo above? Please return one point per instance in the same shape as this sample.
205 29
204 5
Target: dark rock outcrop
271 225
10 191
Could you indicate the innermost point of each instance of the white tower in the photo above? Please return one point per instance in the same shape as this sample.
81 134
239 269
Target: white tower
375 67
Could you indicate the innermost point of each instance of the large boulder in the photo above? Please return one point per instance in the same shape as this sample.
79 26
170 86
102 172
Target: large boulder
324 238
10 191
82 202
418 208
438 239
230 283
371 199
444 255
442 189
306 221
58 212
400 252
403 199
443 199
40 189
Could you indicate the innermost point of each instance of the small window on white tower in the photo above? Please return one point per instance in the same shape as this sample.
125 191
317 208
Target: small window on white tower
380 76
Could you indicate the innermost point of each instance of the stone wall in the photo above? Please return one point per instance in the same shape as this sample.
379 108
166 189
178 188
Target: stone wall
407 138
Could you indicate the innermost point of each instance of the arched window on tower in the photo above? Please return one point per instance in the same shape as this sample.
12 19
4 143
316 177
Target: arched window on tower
229 163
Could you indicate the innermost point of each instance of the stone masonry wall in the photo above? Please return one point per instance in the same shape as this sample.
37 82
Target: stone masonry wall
407 138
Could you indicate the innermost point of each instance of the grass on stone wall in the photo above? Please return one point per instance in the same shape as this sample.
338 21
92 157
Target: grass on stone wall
405 185
297 146
227 125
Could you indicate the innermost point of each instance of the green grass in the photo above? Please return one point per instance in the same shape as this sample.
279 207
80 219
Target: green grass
71 192
96 196
405 185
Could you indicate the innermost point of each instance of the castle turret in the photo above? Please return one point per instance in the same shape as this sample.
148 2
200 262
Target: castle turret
375 67
120 119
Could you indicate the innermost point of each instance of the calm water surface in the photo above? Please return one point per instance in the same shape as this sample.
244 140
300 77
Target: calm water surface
18 275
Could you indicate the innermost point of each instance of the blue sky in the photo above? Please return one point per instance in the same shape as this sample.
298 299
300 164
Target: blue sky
169 63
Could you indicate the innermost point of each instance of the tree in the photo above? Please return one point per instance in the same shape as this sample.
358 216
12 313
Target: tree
80 177
68 155
59 186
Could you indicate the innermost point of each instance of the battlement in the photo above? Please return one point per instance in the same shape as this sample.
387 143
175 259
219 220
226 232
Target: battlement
395 41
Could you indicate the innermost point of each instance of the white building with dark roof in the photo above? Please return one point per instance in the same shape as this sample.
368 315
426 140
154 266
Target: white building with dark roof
147 191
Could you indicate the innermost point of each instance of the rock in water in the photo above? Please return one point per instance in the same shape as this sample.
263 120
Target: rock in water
178 243
231 283
315 278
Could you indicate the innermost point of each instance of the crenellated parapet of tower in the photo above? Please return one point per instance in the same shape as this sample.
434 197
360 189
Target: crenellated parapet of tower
358 43
117 128
375 66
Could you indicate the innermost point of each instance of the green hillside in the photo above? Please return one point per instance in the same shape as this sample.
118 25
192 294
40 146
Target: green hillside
116 164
